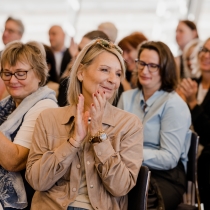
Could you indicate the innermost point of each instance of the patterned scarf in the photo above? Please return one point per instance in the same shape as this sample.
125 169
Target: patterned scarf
12 190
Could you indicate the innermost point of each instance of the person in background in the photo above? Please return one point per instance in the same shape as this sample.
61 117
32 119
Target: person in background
185 32
166 120
190 59
13 30
129 45
87 155
110 29
52 80
197 96
61 53
63 87
24 72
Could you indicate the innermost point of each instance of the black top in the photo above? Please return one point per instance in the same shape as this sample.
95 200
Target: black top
201 118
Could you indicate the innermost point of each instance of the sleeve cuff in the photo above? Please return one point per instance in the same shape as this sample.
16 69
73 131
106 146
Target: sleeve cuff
103 151
65 152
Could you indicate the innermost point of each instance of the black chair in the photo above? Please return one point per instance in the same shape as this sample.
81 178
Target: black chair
191 197
137 197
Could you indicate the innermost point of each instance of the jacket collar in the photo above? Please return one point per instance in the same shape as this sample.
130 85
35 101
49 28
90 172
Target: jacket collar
69 113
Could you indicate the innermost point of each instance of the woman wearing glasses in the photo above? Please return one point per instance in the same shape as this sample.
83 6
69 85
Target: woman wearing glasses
87 155
24 72
166 121
197 96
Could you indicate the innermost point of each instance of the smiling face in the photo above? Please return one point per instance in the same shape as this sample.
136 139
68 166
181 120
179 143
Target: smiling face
20 89
204 58
102 75
149 81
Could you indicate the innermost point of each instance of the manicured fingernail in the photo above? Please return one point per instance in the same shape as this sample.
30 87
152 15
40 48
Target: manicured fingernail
92 104
104 92
98 92
94 94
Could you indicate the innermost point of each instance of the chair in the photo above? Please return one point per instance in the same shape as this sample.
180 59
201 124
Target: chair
192 188
137 197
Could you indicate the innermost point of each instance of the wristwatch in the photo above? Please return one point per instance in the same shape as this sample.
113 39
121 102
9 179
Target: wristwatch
99 137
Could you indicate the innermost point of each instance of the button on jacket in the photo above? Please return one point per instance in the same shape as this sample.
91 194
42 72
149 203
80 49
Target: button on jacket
53 167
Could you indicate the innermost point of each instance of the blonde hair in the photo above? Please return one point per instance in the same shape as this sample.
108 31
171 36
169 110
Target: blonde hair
32 53
86 57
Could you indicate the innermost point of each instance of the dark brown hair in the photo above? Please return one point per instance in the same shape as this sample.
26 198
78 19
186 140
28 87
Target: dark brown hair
190 25
133 40
167 65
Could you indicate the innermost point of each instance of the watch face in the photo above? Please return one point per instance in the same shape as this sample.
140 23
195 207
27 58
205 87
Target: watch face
103 136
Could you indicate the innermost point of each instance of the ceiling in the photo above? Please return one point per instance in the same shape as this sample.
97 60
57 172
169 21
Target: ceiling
157 19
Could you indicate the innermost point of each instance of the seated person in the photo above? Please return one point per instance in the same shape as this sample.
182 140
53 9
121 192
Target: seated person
197 96
87 155
166 120
24 72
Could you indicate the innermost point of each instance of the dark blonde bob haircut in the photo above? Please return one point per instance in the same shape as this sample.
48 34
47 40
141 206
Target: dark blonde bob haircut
31 53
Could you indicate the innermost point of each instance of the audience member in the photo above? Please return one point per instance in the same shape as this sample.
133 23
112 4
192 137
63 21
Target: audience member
61 53
190 59
166 121
185 32
197 96
87 155
129 45
13 30
24 72
52 81
109 29
62 96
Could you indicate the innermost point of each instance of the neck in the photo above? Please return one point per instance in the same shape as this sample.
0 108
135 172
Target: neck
17 102
148 93
206 79
58 49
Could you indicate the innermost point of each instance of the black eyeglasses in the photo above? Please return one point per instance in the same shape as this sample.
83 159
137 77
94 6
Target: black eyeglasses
151 66
20 75
204 50
106 44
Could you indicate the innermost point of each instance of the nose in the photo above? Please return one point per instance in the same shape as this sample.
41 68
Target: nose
145 69
13 79
112 77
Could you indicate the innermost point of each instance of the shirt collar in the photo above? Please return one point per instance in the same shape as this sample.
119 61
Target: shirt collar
108 116
150 100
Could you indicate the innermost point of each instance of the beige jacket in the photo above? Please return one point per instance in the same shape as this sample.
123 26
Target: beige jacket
53 167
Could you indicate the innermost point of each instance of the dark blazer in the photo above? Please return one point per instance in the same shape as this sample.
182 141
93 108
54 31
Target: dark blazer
65 61
201 118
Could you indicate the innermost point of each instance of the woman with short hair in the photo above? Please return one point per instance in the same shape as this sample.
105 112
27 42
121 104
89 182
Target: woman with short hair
87 155
24 72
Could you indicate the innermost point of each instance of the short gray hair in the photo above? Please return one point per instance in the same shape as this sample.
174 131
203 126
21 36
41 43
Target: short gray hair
18 22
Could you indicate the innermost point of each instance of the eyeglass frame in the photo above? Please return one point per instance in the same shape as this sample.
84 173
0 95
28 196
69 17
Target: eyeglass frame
11 74
147 64
201 50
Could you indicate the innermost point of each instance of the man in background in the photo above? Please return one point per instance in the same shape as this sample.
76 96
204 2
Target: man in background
61 53
109 29
13 30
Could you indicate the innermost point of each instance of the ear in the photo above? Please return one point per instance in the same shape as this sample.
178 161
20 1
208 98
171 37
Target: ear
195 34
80 73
